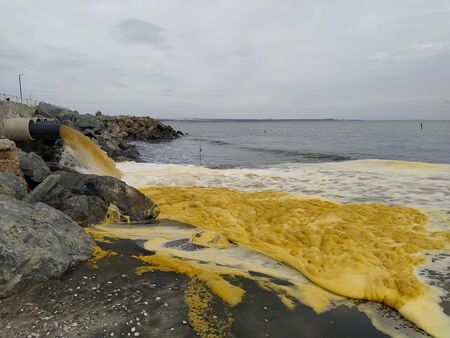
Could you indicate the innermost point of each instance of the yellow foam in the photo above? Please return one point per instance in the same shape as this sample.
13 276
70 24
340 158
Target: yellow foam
219 257
231 294
98 253
395 164
199 301
210 239
364 251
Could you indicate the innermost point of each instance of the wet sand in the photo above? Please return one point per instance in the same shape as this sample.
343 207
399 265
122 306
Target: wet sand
112 301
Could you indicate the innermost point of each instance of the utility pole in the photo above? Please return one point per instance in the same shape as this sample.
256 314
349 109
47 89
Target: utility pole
20 86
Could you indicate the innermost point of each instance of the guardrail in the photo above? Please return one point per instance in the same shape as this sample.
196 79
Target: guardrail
28 102
17 99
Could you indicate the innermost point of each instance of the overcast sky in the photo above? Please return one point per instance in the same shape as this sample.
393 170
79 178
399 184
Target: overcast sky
375 59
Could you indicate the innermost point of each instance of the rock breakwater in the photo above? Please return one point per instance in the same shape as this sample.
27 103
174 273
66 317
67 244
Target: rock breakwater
112 133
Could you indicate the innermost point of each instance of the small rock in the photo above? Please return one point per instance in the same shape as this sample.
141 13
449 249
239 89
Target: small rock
11 185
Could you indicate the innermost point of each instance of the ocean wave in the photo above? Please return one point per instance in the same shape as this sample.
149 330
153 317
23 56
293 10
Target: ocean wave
417 184
301 155
218 142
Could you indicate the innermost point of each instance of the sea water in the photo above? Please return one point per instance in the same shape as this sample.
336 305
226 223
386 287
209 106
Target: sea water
264 143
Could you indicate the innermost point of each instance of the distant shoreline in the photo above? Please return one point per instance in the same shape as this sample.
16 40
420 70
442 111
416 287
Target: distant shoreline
286 120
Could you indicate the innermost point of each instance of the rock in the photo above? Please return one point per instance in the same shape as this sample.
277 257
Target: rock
33 167
11 185
9 159
111 133
48 150
86 210
89 132
140 128
9 162
58 113
109 145
115 129
37 242
58 190
49 192
88 121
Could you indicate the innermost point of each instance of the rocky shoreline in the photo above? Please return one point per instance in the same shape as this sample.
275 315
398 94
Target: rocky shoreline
44 205
42 213
113 134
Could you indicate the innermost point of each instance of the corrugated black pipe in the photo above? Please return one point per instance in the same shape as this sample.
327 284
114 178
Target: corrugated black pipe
44 129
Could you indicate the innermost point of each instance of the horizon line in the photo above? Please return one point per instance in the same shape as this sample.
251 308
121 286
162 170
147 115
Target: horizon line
202 119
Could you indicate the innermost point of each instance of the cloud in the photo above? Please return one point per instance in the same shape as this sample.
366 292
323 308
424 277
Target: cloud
167 92
117 84
12 52
139 32
414 50
265 59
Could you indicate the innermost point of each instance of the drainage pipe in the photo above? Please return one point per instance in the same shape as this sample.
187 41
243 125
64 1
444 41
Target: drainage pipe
21 129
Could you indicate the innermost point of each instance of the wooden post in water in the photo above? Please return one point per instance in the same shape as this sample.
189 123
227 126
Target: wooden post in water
421 125
200 155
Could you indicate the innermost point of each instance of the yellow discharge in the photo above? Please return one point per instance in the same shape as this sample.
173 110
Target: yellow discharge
215 259
98 253
210 239
87 153
364 251
231 294
394 164
200 300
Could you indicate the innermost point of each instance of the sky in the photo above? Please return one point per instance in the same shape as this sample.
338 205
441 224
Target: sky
347 59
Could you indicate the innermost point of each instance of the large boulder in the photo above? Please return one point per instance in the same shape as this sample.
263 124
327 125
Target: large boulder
72 193
33 167
37 242
11 185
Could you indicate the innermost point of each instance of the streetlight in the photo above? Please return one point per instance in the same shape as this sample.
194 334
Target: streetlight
20 86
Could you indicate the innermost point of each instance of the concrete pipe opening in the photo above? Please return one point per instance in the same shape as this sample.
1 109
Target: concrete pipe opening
21 129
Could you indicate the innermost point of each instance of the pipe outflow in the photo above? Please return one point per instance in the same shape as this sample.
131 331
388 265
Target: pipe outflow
21 129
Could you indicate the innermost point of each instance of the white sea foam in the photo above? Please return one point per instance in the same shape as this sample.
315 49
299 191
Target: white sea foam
365 181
